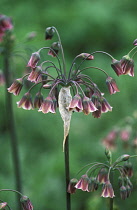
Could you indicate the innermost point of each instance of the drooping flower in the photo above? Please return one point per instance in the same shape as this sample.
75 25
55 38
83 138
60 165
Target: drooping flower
47 106
55 47
49 32
88 105
112 86
102 176
83 183
107 190
123 192
34 59
35 73
38 100
105 106
127 65
16 87
5 24
26 102
135 42
3 205
76 104
71 186
93 184
116 65
26 203
128 169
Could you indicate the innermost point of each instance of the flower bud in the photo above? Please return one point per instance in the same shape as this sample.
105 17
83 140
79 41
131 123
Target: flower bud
26 203
108 154
49 32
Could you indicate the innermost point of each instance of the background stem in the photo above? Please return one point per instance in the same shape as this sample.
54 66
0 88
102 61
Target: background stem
11 128
67 173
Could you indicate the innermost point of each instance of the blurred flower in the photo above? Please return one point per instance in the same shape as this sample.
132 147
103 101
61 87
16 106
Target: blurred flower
128 169
49 32
5 24
125 135
123 192
34 59
135 42
55 47
25 102
86 56
93 184
2 78
26 203
16 87
71 186
112 86
3 205
107 190
48 106
102 175
83 183
38 100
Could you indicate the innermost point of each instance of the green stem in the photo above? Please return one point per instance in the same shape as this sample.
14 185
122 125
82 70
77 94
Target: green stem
111 201
67 173
11 127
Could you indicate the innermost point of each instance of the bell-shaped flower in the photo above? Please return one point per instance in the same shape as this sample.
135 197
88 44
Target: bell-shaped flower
102 175
47 106
107 190
105 106
83 183
34 59
88 105
38 100
35 74
123 192
49 32
112 86
93 184
71 186
26 102
55 47
127 65
76 104
16 87
26 203
116 65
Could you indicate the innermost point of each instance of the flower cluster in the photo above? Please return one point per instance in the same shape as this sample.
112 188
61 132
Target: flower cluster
90 182
5 24
87 97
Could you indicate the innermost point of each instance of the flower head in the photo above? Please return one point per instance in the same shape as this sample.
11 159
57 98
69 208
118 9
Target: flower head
34 59
107 190
25 102
26 203
16 87
5 24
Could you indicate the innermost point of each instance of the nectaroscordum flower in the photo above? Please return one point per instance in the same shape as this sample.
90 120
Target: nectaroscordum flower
71 186
16 87
76 103
26 203
88 105
26 102
34 59
127 65
112 86
83 183
48 105
3 205
107 190
5 24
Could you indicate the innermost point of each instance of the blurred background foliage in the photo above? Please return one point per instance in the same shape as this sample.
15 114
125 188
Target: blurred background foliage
84 26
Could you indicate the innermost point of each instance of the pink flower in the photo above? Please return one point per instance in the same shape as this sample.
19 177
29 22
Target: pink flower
107 190
112 86
25 102
76 104
116 65
26 203
88 106
35 74
83 183
34 59
127 65
48 105
16 87
71 186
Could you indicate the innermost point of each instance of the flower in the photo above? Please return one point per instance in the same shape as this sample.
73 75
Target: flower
3 205
112 86
35 74
76 103
83 183
26 203
25 102
125 135
38 100
93 184
102 175
86 56
128 169
105 106
88 105
123 192
49 32
107 190
5 24
127 65
116 65
16 87
71 186
135 42
48 105
54 49
34 59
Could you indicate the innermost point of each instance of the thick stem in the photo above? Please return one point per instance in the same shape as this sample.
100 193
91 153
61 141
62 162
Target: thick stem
11 128
67 174
111 199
